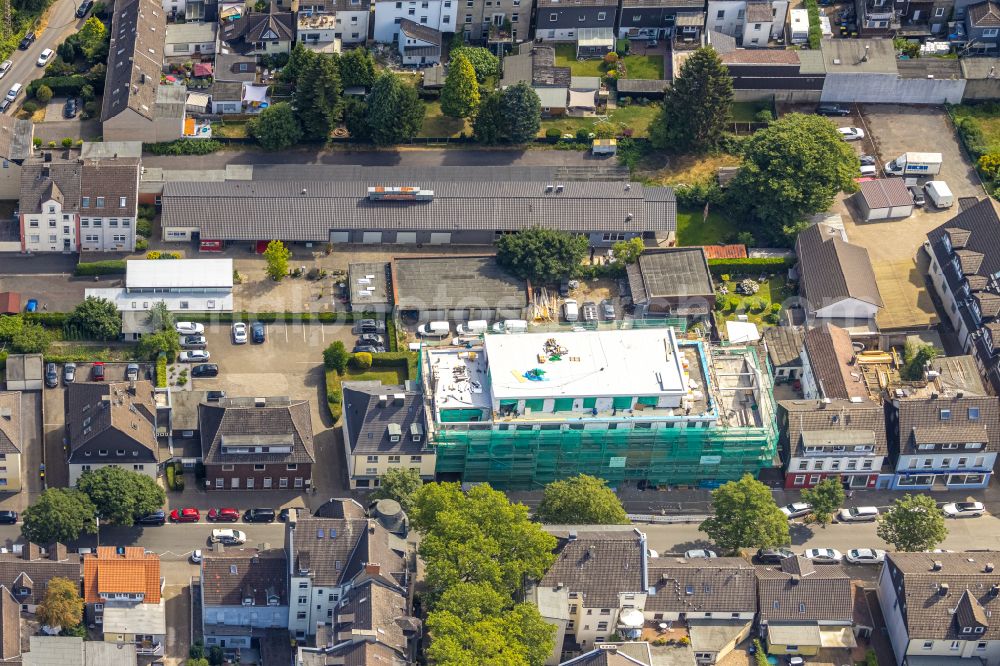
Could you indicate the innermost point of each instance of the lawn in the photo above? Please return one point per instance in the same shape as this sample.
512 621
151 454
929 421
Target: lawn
636 67
987 118
230 129
637 117
693 229
745 112
437 125
644 67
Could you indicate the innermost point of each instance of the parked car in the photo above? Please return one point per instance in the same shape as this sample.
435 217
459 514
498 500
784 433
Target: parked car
608 310
372 339
858 514
795 661
69 373
4 105
193 356
963 509
869 171
223 515
186 515
773 555
868 160
283 515
155 518
368 348
258 516
71 108
194 342
132 372
8 517
45 57
258 333
215 396
865 556
823 555
196 556
833 110
239 333
5 67
189 328
97 372
84 7
918 195
205 370
26 41
851 133
699 553
371 326
589 311
229 537
797 509
51 375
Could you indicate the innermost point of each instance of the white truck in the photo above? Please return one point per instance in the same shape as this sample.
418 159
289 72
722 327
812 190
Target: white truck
914 164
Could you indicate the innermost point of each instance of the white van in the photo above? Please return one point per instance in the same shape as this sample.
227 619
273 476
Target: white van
511 326
571 310
939 193
474 327
434 329
14 91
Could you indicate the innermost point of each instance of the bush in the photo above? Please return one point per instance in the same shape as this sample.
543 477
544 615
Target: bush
759 265
759 656
552 133
183 147
815 32
30 107
871 659
59 85
335 357
698 194
170 477
141 244
361 361
583 135
161 371
775 307
106 267
179 483
764 116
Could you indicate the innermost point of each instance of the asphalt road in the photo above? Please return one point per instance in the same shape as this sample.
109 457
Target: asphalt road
62 22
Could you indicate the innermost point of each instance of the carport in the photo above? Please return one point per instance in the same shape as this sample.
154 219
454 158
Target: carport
884 199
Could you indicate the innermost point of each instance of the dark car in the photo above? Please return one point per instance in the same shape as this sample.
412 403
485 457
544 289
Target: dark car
258 516
918 195
773 555
8 517
833 110
194 342
368 348
371 326
283 515
258 334
371 339
155 518
51 375
205 370
71 108
868 160
4 105
215 396
28 39
84 7
97 372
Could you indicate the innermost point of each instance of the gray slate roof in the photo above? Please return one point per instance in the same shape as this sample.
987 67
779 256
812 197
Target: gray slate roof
724 585
830 355
837 420
233 575
435 283
10 422
358 653
784 345
379 610
343 549
41 181
921 420
984 14
814 594
832 269
598 566
111 417
307 211
138 31
16 138
279 421
424 33
253 28
366 422
27 579
672 272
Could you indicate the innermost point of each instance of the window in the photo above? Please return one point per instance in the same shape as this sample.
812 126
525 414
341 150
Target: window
121 202
813 479
945 414
990 32
981 645
283 482
113 222
956 644
85 202
292 467
298 482
416 459
259 468
739 14
393 459
721 14
798 480
973 413
100 202
219 483
301 615
602 16
582 19
938 12
553 18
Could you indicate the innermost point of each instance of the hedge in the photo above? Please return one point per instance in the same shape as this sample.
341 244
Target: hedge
766 264
286 317
161 371
87 356
107 267
47 319
815 31
60 85
183 147
392 337
334 394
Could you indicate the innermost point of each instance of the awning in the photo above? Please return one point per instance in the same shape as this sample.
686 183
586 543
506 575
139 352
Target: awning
202 69
581 99
696 19
837 637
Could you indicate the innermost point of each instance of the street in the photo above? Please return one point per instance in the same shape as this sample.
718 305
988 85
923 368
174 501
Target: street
61 22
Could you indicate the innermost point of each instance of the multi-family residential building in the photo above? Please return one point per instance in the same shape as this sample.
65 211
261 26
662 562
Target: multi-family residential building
12 441
244 592
938 607
190 40
982 27
350 19
418 44
905 18
750 22
26 573
260 33
325 558
437 14
122 593
557 21
653 19
256 443
837 280
384 428
494 22
109 204
841 439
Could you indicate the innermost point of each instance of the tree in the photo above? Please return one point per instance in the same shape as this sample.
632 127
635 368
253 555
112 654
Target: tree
58 515
356 118
160 318
67 51
745 516
627 251
913 524
276 128
277 255
696 108
335 357
62 605
120 495
488 127
357 68
483 61
31 338
395 113
92 36
96 318
297 61
826 497
581 500
316 97
915 359
790 170
400 485
152 344
43 94
542 255
520 106
460 95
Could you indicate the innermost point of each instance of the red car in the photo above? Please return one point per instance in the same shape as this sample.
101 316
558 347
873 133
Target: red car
97 371
224 515
185 515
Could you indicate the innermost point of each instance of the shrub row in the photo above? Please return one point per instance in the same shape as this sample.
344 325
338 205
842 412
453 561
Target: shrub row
815 31
768 264
183 147
47 319
60 85
334 394
161 371
107 267
392 336
83 356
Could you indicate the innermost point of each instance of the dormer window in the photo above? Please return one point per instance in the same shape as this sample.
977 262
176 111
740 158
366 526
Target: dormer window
966 630
248 601
980 630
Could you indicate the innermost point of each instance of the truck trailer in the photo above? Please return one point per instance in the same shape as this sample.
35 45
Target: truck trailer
914 164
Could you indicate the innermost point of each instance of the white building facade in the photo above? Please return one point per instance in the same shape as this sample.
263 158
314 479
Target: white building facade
437 14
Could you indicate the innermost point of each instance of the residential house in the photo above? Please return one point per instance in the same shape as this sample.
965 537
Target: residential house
942 439
190 41
535 65
495 22
418 44
16 146
750 22
122 593
26 572
244 592
840 439
828 365
384 428
109 204
671 282
964 269
12 441
784 346
836 277
803 608
982 27
938 607
627 654
716 600
561 22
652 19
74 651
318 32
135 106
439 15
11 643
259 33
256 443
350 22
326 556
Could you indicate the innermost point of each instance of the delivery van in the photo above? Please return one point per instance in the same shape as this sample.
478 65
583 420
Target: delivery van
939 193
434 329
474 327
511 326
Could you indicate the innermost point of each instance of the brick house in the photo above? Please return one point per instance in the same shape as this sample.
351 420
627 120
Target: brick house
252 443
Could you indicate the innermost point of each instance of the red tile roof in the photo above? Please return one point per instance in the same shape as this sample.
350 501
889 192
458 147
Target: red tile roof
734 251
110 572
10 302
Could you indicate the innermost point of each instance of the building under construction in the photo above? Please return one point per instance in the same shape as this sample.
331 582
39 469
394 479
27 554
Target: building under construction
640 405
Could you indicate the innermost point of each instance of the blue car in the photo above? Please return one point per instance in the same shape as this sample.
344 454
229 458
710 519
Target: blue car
31 306
257 333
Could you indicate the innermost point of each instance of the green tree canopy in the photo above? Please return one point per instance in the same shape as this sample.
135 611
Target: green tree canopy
460 96
488 126
483 61
62 605
277 255
400 485
580 500
542 255
696 107
297 61
58 515
395 112
520 105
43 93
120 496
151 344
745 516
826 497
627 251
159 317
316 97
92 36
356 118
31 338
357 68
790 170
335 357
915 359
913 524
96 318
276 128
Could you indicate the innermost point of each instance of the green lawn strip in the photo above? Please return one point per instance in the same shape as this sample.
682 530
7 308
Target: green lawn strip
745 112
987 119
644 67
693 230
637 117
437 125
566 57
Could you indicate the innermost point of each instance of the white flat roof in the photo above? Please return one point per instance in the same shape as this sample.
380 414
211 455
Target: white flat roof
137 619
179 273
179 302
595 363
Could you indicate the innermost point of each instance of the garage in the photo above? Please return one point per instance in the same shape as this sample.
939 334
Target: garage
340 236
440 238
884 199
406 237
371 237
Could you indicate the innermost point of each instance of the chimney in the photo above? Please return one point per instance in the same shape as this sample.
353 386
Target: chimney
372 568
218 548
936 566
383 400
943 589
31 551
46 172
572 536
995 590
988 568
47 157
58 552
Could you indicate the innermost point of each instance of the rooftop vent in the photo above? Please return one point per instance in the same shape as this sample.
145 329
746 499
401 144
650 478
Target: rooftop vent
259 402
943 589
988 568
398 398
936 566
383 400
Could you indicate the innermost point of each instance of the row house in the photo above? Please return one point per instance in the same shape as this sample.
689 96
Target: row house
750 22
653 19
123 596
27 572
259 34
244 592
11 441
557 21
440 15
419 44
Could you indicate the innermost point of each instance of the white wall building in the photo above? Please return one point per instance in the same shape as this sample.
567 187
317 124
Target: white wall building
753 21
436 14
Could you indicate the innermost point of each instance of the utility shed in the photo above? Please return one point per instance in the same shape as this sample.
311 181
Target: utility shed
884 199
457 289
24 372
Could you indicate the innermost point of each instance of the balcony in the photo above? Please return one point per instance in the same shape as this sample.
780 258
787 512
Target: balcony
501 34
149 647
